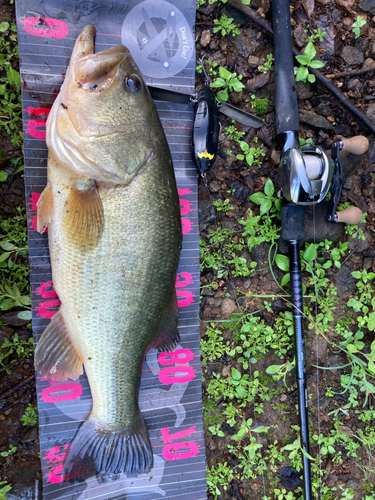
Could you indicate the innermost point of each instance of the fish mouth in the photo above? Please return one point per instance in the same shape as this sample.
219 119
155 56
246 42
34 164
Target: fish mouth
90 66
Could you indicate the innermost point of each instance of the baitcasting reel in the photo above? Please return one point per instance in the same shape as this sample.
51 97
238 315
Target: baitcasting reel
308 174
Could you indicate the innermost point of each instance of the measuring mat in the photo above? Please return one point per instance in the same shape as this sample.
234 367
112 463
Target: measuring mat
159 36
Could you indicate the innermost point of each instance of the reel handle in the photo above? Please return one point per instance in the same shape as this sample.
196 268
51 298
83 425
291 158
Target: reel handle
357 145
351 215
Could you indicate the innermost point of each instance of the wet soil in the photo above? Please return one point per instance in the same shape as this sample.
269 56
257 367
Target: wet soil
322 119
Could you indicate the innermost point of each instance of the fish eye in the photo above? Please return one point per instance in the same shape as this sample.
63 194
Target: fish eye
133 83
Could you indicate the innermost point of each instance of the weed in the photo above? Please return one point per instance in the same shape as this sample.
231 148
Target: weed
233 134
230 81
226 26
30 417
16 349
10 84
267 66
215 346
223 206
11 451
267 201
218 475
357 25
4 488
316 36
307 60
252 155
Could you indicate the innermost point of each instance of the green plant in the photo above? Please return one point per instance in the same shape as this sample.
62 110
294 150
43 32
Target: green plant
30 417
260 106
223 206
267 201
16 349
10 84
252 155
307 61
316 36
230 82
4 488
214 347
226 26
218 475
357 25
11 451
233 134
302 141
267 66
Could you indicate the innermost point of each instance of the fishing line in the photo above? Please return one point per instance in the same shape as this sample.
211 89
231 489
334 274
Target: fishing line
213 214
317 365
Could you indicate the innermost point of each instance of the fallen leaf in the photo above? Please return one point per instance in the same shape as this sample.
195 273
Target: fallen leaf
309 6
257 82
347 5
265 136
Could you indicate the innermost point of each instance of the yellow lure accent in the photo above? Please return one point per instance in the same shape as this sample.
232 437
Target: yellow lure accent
206 154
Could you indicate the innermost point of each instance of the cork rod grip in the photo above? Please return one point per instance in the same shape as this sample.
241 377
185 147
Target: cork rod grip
351 215
357 145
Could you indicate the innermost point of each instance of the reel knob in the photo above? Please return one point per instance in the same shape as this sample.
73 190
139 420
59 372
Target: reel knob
357 145
351 215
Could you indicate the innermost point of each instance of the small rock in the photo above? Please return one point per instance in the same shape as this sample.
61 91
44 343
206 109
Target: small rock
324 109
283 397
347 23
344 281
314 120
228 307
205 38
304 91
352 56
214 187
253 61
12 319
226 371
331 119
367 6
369 63
18 492
371 155
370 113
2 417
30 435
300 35
249 44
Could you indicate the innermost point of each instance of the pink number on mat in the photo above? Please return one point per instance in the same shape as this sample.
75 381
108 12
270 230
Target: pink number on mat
187 300
43 292
38 111
188 279
167 375
185 191
71 391
187 225
168 438
33 129
43 26
185 206
34 200
43 308
180 356
170 452
56 454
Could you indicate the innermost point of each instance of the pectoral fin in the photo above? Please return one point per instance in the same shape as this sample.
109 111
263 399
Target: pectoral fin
55 356
45 208
84 216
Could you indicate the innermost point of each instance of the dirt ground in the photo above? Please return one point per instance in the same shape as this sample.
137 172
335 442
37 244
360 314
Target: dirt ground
233 289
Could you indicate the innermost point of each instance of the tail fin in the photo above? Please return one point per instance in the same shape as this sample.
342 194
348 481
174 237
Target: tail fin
96 449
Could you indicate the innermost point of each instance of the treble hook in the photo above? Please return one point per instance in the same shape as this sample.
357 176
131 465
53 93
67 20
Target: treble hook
208 81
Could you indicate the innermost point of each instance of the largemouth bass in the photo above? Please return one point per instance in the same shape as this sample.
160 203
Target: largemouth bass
114 230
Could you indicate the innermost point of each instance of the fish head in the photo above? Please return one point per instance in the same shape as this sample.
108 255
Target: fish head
103 110
105 92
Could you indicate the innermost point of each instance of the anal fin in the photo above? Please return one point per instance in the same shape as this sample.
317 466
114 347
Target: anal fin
84 216
45 208
55 356
168 336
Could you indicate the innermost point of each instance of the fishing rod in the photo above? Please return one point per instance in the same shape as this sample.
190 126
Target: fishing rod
307 174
